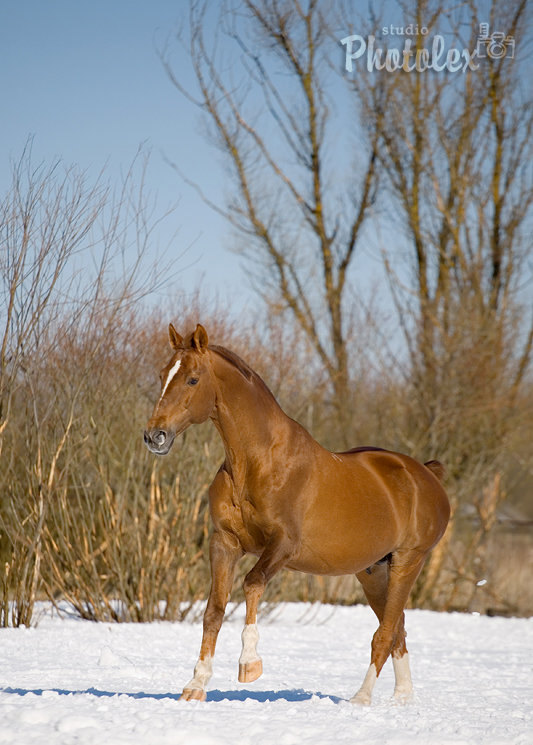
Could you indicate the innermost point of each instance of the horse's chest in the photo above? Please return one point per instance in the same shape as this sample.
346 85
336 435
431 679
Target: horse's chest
233 512
250 526
244 522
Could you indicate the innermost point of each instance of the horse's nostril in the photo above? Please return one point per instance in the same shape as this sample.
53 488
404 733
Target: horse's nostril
155 437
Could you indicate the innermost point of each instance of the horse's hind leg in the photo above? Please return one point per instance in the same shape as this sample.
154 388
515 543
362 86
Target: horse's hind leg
375 581
387 589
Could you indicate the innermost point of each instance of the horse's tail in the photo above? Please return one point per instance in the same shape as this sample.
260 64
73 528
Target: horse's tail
436 467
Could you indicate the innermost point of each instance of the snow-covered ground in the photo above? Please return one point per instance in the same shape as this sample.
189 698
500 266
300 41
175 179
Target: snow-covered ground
70 681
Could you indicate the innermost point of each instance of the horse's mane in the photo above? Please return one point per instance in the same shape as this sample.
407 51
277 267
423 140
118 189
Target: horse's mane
234 360
242 366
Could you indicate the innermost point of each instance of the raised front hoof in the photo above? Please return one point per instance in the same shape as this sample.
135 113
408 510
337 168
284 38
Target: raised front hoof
250 671
361 698
193 694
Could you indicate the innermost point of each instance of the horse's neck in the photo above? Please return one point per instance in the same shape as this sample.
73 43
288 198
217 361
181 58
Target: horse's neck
247 415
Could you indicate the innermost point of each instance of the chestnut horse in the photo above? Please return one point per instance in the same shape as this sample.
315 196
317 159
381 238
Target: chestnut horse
281 496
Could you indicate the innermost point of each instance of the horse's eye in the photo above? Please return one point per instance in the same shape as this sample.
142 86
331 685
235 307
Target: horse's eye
192 381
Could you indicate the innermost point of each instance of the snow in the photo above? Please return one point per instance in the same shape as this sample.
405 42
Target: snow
70 681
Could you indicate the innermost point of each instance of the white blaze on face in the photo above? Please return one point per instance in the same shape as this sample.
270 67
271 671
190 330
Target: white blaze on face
172 372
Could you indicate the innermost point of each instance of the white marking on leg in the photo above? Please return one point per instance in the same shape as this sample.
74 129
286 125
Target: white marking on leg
250 637
202 675
364 694
403 688
173 370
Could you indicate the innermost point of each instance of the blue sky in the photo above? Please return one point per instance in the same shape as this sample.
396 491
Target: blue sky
85 80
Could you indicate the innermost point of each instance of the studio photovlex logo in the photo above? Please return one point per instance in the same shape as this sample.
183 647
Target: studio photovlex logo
433 55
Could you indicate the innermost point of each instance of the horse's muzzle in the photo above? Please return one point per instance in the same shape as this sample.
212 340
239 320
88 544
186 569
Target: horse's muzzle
158 441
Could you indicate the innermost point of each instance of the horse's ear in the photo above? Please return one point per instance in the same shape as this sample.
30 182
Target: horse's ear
199 339
174 338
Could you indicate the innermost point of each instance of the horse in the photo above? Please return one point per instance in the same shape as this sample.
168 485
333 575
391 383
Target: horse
282 497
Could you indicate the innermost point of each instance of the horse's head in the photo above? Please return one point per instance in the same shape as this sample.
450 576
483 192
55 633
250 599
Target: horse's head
187 391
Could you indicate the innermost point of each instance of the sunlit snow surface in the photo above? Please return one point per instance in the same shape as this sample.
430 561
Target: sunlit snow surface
70 681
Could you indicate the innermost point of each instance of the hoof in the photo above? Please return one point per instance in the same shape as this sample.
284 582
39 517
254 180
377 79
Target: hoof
250 671
193 694
403 697
361 698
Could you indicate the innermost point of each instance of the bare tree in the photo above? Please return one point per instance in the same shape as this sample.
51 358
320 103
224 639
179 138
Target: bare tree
455 150
298 204
45 218
452 148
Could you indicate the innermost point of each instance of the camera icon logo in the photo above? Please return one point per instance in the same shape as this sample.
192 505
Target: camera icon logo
496 46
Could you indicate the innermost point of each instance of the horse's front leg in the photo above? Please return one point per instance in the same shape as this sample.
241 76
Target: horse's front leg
273 558
224 554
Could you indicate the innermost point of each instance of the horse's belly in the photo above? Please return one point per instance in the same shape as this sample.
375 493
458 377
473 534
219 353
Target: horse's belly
342 557
346 535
